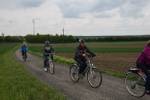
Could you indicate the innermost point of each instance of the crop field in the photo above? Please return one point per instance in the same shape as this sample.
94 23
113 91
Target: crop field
16 83
113 56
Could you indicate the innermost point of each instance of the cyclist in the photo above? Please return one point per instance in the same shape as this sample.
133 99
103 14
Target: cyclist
24 49
80 56
47 51
143 62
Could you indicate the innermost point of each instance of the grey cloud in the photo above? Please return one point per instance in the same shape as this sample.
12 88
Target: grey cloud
75 8
30 3
133 8
13 4
7 4
105 5
103 15
127 8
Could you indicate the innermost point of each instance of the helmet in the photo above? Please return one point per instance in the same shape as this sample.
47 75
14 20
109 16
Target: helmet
24 43
81 41
47 42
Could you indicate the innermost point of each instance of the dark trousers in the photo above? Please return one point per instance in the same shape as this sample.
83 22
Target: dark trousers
46 59
147 73
82 65
46 62
24 53
147 85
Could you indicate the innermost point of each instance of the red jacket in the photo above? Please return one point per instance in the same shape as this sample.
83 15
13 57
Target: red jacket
144 57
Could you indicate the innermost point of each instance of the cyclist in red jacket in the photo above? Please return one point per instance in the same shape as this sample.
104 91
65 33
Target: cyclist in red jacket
143 62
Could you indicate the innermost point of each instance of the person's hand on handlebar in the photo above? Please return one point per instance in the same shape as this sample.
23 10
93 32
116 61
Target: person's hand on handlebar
84 55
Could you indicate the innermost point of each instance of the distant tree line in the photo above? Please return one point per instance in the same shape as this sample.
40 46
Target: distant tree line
116 38
39 38
69 39
1 39
11 38
52 38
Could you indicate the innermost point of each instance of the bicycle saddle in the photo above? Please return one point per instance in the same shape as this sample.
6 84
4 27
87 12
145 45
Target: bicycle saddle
134 69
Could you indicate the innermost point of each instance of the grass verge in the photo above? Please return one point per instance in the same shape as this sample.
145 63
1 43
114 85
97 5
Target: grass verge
17 84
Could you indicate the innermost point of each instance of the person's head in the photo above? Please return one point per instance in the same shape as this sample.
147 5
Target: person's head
148 43
81 43
24 43
47 43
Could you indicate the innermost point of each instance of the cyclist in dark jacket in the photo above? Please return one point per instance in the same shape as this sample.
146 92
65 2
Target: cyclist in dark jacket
80 56
143 62
48 51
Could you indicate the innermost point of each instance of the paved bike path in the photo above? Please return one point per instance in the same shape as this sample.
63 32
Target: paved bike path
111 89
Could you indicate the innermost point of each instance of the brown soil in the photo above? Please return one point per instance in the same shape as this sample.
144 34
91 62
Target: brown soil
110 61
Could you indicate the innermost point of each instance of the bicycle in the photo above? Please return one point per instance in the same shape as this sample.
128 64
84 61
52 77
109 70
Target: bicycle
50 66
24 56
135 82
94 76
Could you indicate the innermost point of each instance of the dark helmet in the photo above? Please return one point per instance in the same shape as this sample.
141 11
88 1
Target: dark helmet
47 42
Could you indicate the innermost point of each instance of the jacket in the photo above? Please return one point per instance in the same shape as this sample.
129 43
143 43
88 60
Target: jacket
80 51
144 57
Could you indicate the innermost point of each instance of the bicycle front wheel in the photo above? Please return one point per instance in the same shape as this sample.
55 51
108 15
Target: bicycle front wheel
135 84
51 67
74 73
94 78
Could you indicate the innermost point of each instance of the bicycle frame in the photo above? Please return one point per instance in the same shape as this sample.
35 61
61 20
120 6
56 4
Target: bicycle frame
138 71
89 64
24 56
91 73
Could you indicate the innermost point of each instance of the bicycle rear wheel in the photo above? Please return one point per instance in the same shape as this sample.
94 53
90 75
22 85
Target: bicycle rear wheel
94 78
74 73
135 84
24 58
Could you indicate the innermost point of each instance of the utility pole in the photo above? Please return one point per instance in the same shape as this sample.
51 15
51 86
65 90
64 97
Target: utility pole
3 36
33 21
63 30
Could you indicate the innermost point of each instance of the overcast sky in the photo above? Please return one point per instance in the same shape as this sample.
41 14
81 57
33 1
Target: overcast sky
78 17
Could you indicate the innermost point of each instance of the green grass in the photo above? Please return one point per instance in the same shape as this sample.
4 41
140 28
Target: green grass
58 59
99 47
4 47
97 50
115 73
18 84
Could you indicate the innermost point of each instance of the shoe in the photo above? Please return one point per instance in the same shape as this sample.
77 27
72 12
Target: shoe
148 92
45 69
